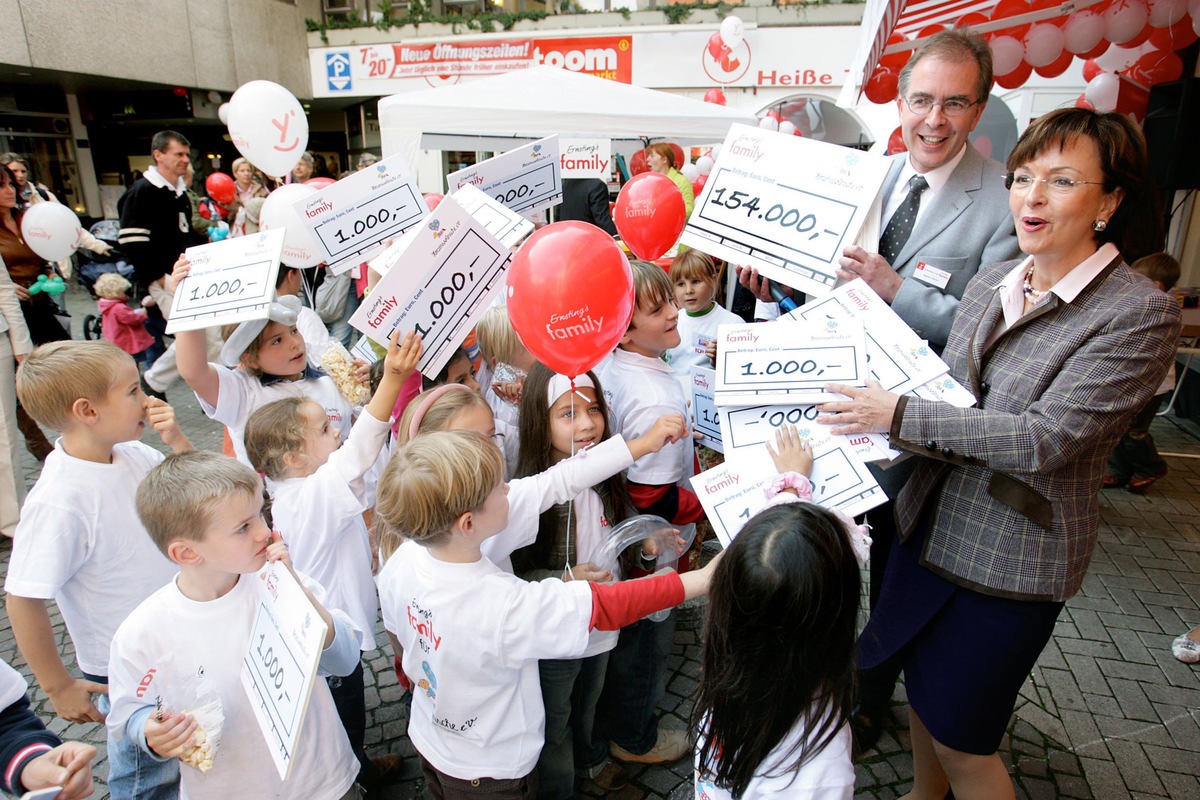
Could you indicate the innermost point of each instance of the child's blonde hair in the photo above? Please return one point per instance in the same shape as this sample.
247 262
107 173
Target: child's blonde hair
273 431
111 285
178 498
498 340
438 414
431 482
694 265
651 285
55 375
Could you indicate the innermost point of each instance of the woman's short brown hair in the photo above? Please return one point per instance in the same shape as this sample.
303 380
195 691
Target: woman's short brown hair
664 150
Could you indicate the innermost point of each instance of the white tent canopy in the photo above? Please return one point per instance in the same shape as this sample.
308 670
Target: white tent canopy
497 113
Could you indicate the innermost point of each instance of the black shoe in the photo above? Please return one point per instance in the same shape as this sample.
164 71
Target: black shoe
383 771
150 391
866 727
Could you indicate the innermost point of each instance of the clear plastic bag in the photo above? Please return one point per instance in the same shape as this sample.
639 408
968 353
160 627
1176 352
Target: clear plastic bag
616 551
202 701
339 365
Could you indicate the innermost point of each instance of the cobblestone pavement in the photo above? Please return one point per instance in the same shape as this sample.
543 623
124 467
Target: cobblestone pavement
1108 712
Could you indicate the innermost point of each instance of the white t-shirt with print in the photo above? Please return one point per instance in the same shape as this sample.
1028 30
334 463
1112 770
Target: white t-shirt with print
695 332
80 543
472 636
320 518
181 639
240 394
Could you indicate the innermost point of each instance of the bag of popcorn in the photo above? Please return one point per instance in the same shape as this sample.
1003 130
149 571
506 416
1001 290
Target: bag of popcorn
339 365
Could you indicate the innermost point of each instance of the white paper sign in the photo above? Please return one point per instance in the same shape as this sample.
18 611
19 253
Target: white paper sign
586 158
496 218
785 204
280 665
526 179
754 426
946 390
349 220
729 498
788 362
440 286
896 356
232 280
705 417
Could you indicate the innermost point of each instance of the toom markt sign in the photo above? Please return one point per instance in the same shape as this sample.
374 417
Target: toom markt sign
388 68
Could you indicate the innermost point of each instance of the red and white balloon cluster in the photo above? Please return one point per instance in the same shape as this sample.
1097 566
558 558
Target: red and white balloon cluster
1154 28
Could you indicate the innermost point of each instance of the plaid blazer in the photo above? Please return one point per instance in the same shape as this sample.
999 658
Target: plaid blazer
1010 488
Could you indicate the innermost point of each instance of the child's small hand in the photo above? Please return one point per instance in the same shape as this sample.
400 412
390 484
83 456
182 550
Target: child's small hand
402 356
161 417
277 550
710 350
791 453
361 372
588 571
510 391
69 765
178 272
651 548
667 429
148 302
169 735
73 702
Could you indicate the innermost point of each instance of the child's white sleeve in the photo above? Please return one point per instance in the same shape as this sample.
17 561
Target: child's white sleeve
51 544
350 462
232 395
529 497
343 653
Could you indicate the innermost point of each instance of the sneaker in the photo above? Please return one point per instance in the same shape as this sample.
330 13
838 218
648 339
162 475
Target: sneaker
1186 649
672 744
150 391
610 776
384 771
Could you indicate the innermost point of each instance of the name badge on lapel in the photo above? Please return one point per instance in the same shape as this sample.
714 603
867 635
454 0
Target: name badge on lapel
931 275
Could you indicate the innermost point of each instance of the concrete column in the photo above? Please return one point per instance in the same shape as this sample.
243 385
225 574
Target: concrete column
83 159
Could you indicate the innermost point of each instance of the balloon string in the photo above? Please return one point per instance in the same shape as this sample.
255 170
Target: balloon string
571 502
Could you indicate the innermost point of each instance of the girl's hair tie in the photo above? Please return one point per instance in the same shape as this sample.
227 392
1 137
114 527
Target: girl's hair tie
427 399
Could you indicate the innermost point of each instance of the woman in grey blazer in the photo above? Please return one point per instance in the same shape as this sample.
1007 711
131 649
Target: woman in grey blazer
998 523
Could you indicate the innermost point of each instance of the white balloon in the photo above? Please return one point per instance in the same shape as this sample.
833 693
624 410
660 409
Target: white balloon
268 126
1116 59
1083 31
1124 20
1043 44
788 127
223 113
690 171
1164 13
51 230
1102 91
769 124
299 249
716 152
732 31
1007 53
704 165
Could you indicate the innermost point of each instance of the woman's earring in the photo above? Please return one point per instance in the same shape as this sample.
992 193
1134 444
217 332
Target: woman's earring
1099 225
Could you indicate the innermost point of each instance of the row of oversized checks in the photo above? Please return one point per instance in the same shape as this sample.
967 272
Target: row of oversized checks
775 373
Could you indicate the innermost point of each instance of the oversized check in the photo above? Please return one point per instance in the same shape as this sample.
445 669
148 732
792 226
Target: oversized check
787 361
526 179
705 416
499 220
280 664
785 204
750 427
730 498
349 220
440 286
232 280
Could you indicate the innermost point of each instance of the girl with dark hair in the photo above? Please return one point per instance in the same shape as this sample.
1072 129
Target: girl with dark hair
777 662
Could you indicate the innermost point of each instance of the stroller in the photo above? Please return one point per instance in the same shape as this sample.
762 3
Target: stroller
93 265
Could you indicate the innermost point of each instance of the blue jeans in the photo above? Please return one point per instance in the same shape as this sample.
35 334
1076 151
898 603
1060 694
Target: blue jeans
633 685
132 773
570 691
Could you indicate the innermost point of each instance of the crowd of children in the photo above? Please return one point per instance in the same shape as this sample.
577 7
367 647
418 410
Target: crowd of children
470 517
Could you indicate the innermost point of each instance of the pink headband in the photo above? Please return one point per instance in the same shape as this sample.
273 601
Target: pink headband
427 400
558 385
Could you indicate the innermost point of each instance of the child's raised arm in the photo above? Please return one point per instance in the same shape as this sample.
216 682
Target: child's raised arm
191 353
162 418
398 365
668 429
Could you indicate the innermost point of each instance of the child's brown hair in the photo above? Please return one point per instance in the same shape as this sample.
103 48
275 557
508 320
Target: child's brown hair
272 432
651 285
1159 267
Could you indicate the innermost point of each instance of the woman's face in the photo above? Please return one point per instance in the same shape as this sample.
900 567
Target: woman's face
244 174
657 162
8 192
302 171
1054 219
19 172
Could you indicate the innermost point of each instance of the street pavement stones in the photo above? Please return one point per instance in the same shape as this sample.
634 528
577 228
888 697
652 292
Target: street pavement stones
1108 712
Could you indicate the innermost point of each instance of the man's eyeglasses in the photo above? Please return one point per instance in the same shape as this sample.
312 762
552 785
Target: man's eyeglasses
922 105
1058 184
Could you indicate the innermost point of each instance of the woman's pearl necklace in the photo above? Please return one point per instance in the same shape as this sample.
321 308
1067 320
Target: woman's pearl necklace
1032 294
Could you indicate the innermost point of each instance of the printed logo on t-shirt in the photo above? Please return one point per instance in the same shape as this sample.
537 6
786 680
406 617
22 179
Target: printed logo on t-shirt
429 682
421 621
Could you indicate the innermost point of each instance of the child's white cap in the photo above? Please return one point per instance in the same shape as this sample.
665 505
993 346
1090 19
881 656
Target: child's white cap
283 310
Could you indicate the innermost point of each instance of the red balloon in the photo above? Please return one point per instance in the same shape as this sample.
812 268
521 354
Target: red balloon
1040 5
717 47
698 186
1056 67
319 183
972 19
649 214
896 60
896 142
1011 8
1097 51
1091 69
570 295
1175 37
680 159
220 187
882 86
715 96
637 163
1016 78
930 30
432 199
1140 39
1082 102
1156 67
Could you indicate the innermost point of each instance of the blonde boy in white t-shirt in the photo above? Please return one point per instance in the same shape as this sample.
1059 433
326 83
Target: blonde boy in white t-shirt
79 541
204 511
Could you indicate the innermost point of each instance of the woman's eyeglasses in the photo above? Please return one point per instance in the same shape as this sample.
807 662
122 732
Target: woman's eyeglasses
1057 184
922 105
